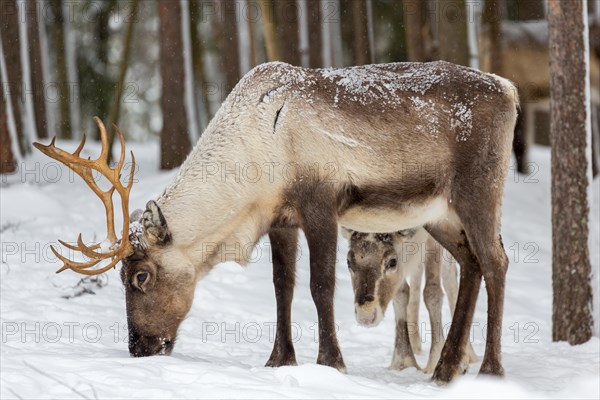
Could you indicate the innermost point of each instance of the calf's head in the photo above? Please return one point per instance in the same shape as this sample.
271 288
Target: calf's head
375 262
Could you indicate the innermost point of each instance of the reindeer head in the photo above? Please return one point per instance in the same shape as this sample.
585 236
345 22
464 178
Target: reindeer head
377 269
157 298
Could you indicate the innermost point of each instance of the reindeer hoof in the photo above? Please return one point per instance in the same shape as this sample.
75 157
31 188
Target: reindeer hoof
428 369
336 362
279 359
398 364
403 367
444 372
493 368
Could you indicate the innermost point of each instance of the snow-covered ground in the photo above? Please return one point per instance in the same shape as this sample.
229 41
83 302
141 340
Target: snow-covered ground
54 347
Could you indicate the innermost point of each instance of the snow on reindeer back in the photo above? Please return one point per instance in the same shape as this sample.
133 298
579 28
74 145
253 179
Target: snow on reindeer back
381 84
388 87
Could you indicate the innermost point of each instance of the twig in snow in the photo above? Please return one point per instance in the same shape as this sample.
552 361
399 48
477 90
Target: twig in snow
15 394
47 375
9 225
87 286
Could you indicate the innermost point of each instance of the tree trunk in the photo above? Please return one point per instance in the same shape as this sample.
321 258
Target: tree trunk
175 141
198 64
11 44
315 47
570 138
332 23
270 30
252 36
230 57
413 23
287 27
63 127
102 87
115 109
347 28
531 9
7 159
452 31
491 25
37 75
362 51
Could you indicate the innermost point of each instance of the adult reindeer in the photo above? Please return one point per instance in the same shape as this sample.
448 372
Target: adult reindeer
412 145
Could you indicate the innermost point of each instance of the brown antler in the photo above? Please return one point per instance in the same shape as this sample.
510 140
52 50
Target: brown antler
83 167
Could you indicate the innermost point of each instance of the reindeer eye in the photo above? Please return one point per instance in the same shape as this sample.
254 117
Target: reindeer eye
141 277
391 264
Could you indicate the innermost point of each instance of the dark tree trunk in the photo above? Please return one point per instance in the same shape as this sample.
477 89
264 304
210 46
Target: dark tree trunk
198 63
63 127
37 75
347 28
230 57
530 9
593 6
102 88
315 47
571 314
7 159
174 137
11 44
287 26
413 24
491 23
362 50
452 31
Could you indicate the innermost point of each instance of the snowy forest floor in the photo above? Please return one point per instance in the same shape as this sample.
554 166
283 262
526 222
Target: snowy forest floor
54 347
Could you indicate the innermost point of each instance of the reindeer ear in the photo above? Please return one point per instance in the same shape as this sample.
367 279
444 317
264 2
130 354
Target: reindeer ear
346 233
155 225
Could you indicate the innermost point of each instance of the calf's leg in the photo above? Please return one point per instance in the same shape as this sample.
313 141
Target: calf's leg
403 354
414 300
433 297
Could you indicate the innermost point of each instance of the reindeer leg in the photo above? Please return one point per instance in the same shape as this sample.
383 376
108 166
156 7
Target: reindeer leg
320 228
433 301
413 309
452 360
283 248
494 264
403 353
450 284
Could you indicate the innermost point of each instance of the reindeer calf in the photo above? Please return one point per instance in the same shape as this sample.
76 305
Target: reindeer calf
380 264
